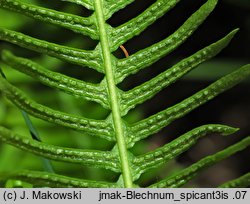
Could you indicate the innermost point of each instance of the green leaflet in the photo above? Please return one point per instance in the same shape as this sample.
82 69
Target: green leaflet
108 95
147 90
72 55
155 52
163 154
86 3
75 23
242 182
112 6
56 181
88 157
187 174
135 26
48 114
158 121
62 82
34 134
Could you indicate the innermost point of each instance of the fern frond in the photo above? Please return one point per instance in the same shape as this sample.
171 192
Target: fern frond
86 3
34 134
62 82
118 102
73 55
100 159
75 23
160 120
96 127
112 6
147 90
148 56
187 174
171 150
241 182
134 27
114 100
39 179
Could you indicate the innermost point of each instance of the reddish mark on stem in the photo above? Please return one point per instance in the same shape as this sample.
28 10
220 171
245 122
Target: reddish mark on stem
124 50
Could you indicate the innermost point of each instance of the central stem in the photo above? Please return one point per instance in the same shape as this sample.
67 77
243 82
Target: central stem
119 132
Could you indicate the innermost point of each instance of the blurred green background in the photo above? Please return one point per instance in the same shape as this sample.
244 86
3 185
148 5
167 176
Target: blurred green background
230 108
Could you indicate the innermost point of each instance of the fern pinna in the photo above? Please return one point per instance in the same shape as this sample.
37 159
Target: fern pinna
119 102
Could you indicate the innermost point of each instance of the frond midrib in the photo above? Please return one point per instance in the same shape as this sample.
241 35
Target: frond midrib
113 95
